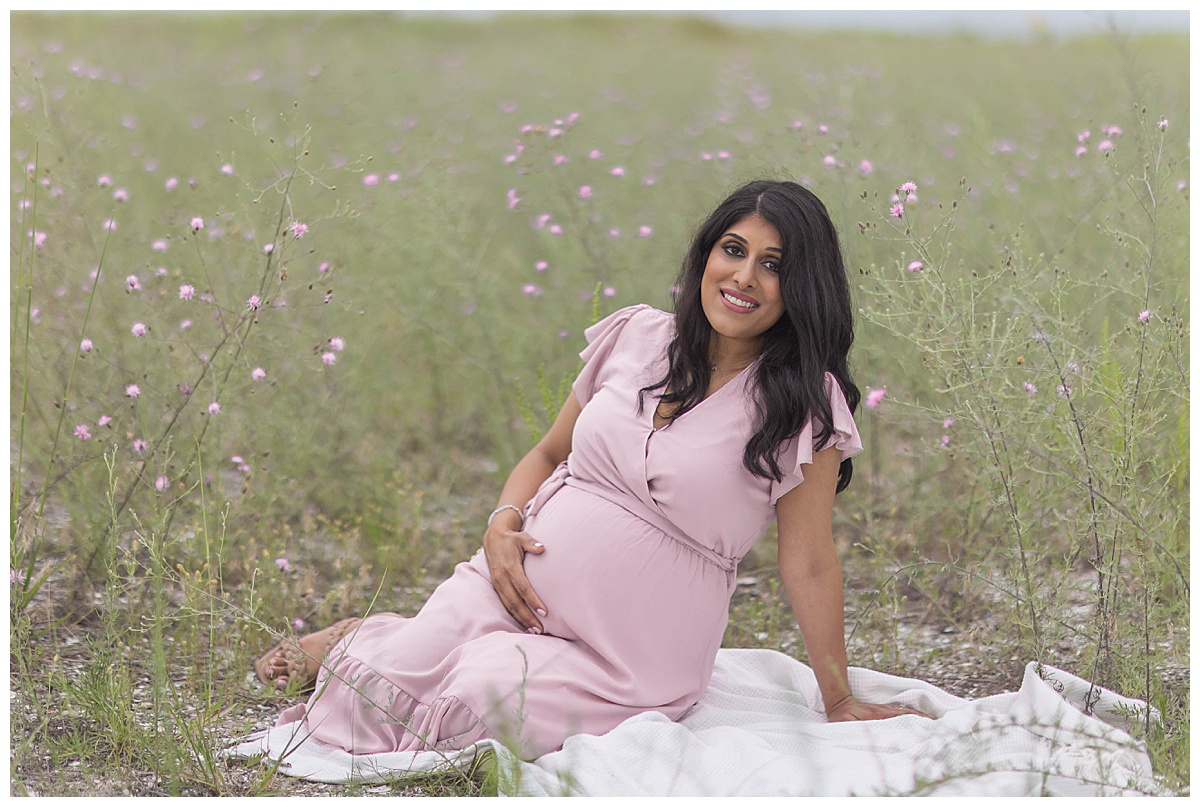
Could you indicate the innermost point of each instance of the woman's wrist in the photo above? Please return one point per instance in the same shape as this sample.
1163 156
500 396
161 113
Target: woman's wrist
845 699
507 516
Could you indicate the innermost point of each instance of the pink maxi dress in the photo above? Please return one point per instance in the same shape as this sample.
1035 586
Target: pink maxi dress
643 530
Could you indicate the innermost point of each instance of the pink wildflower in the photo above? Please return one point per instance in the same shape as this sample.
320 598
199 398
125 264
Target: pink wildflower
541 266
268 249
186 291
159 245
1162 124
110 224
609 291
866 167
513 199
371 180
1064 390
1080 151
197 223
132 284
283 564
298 229
556 229
104 180
140 446
945 441
947 423
585 191
873 398
227 170
329 357
1083 136
120 195
1145 315
559 159
614 233
324 267
909 187
644 231
162 483
830 160
254 302
85 345
104 420
214 408
258 374
185 324
618 171
916 266
132 391
595 154
530 290
81 431
139 329
298 624
897 210
1104 145
171 183
337 343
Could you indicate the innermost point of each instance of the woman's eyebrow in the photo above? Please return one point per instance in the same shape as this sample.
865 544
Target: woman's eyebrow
732 234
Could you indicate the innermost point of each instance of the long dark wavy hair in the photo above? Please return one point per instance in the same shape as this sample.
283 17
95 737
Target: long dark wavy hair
813 335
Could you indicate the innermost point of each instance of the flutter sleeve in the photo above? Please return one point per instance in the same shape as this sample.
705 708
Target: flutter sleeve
799 450
602 342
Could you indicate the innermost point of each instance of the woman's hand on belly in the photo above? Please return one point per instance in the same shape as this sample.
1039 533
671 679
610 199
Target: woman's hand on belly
505 551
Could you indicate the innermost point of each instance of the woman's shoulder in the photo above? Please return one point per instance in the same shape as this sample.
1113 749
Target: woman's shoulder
641 318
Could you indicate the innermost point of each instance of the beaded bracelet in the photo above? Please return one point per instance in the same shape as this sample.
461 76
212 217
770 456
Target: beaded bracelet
507 507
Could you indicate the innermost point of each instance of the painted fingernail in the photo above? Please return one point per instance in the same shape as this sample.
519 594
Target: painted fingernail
535 630
541 612
536 545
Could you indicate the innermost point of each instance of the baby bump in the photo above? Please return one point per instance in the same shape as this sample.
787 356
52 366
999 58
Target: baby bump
640 599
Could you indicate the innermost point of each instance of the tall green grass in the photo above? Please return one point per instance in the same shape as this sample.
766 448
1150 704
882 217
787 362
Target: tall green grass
1060 519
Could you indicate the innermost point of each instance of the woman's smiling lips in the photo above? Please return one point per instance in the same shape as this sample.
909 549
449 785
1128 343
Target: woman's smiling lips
737 302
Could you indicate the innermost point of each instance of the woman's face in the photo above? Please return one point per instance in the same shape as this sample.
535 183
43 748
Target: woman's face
740 289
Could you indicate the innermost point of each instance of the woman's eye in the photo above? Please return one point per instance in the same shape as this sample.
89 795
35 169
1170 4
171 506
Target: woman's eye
771 266
734 250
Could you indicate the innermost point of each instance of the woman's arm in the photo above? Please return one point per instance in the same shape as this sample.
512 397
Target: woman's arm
504 544
812 576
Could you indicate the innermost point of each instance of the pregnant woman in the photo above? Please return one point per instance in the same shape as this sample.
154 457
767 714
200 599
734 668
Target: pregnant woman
603 586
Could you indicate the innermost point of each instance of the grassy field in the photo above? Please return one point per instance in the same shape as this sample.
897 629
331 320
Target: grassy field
290 294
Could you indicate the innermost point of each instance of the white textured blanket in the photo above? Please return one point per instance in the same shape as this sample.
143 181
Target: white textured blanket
756 731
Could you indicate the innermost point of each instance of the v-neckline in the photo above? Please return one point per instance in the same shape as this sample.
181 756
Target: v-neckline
653 412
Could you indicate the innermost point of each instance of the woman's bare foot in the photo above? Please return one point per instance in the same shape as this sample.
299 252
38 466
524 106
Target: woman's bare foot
300 659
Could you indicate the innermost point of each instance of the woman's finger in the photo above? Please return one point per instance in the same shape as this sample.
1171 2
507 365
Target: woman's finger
510 583
528 596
